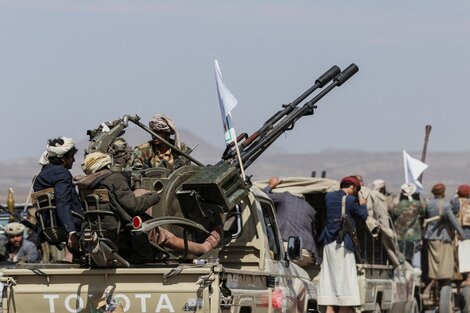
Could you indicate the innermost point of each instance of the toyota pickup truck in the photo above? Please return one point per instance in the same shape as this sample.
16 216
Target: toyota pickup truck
251 273
248 272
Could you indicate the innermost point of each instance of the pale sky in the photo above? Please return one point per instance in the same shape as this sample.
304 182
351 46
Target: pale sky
66 66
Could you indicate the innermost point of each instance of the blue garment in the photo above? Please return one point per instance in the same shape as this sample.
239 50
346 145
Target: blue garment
333 212
438 230
27 252
296 217
65 194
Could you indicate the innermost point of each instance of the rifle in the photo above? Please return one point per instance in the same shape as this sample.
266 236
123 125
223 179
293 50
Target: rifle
181 158
284 120
21 220
347 228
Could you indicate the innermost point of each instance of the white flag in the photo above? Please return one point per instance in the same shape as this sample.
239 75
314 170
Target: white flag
227 102
413 169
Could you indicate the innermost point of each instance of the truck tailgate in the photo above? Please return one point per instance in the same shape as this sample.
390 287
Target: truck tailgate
80 290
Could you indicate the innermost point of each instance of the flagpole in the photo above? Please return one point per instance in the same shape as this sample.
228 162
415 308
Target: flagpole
242 170
232 133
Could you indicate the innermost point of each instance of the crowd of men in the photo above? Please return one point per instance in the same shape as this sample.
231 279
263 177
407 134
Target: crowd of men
437 227
438 224
67 196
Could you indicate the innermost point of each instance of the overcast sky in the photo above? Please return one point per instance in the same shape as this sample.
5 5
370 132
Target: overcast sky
66 66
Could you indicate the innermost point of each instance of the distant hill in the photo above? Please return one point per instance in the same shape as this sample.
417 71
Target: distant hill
451 168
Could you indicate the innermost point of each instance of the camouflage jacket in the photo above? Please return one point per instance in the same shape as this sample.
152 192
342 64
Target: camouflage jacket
144 156
408 218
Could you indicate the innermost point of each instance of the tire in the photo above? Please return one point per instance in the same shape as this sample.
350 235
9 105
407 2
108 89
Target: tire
465 292
377 308
414 308
445 300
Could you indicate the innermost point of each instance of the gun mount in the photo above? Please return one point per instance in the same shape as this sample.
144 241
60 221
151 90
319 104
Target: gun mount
208 195
221 185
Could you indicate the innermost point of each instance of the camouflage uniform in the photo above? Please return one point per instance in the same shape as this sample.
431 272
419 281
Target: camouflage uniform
407 224
408 218
144 156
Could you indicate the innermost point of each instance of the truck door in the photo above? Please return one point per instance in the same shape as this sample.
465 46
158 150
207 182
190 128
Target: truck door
289 291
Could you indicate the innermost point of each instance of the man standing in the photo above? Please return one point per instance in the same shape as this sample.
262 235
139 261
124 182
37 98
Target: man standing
56 162
156 153
17 248
463 218
296 217
439 234
339 289
408 216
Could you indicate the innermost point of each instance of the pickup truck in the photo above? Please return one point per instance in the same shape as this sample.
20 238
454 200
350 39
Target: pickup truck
251 273
248 272
383 286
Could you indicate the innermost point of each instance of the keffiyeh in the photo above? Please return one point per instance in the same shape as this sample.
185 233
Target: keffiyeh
95 161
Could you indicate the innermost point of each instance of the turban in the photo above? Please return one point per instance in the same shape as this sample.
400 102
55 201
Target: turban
57 150
438 189
95 161
463 191
162 123
408 190
351 180
14 229
378 184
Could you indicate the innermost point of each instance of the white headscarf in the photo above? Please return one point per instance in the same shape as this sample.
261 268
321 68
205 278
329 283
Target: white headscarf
378 184
95 161
408 190
57 150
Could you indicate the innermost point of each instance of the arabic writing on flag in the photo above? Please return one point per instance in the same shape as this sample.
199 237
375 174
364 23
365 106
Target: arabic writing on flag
227 102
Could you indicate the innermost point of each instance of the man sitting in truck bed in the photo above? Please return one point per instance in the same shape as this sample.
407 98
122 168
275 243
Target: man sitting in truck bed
124 203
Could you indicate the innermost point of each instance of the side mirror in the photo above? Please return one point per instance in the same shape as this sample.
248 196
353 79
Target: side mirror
294 247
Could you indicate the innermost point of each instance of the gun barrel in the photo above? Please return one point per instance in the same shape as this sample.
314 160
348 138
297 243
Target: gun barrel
151 132
263 141
346 74
321 81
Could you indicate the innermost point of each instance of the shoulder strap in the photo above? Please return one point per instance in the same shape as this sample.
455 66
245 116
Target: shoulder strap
343 205
440 207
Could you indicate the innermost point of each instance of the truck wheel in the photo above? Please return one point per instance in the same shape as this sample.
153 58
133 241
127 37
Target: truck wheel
377 308
414 306
445 300
465 292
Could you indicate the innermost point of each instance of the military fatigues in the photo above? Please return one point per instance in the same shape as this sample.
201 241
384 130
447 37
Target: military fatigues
408 215
147 155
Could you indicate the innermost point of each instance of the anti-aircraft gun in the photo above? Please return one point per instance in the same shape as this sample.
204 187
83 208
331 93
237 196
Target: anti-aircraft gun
208 195
196 198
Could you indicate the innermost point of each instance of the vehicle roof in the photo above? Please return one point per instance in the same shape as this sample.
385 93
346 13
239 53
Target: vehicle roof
303 185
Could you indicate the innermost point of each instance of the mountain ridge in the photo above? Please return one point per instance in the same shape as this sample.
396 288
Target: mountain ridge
449 167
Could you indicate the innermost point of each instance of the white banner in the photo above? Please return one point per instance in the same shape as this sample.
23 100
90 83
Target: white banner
413 169
227 102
